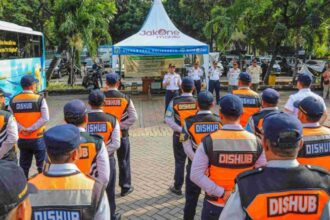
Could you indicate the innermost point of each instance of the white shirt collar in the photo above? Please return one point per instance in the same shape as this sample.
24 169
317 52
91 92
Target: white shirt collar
186 94
81 129
62 168
283 163
311 125
244 87
27 91
305 90
96 110
204 112
269 108
112 89
232 127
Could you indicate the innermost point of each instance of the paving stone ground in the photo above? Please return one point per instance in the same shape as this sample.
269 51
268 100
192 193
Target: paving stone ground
151 160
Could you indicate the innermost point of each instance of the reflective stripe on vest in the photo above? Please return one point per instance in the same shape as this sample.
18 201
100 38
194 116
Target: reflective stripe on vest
27 111
99 124
231 153
184 108
316 149
199 130
116 103
65 197
251 103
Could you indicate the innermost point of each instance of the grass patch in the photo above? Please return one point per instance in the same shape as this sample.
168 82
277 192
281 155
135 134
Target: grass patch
62 86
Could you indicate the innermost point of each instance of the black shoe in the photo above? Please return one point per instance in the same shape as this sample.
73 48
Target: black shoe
118 216
125 192
176 191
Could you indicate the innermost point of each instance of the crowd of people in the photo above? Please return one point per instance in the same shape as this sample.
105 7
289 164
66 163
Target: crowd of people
252 160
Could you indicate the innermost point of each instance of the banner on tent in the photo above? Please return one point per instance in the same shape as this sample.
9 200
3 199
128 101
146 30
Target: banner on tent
160 50
150 66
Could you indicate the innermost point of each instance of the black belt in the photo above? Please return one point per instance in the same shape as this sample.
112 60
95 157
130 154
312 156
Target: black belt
212 198
172 91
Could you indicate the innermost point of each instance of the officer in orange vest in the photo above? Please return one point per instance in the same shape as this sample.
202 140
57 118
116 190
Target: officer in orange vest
180 108
64 191
107 126
316 148
222 155
94 159
8 131
283 189
121 106
31 113
269 103
250 99
195 129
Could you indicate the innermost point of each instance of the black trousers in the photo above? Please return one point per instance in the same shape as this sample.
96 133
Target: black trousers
210 211
192 194
198 86
124 163
215 85
169 95
180 160
111 187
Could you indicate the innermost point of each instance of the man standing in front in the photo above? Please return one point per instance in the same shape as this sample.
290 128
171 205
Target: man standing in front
195 129
303 84
178 110
196 73
63 189
122 107
232 77
250 99
214 82
172 83
255 72
282 189
222 155
31 113
8 131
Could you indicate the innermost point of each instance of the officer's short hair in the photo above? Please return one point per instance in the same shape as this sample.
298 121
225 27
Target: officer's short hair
74 119
59 158
287 152
244 83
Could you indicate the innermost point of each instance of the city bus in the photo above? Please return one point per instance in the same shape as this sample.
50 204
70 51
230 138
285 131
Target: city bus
22 51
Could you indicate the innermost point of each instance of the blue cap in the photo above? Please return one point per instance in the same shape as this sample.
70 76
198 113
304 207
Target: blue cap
231 105
270 96
310 106
62 139
282 128
245 77
5 94
28 80
75 108
305 78
112 78
187 82
96 97
205 99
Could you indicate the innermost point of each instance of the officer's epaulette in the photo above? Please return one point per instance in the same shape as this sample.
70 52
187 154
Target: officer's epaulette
317 169
97 136
249 173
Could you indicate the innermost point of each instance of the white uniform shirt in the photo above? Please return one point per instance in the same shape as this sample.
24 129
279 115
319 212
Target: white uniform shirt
232 76
215 73
174 80
300 95
255 73
103 212
196 74
10 137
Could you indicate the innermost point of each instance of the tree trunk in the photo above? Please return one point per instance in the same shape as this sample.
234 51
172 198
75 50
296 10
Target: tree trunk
270 67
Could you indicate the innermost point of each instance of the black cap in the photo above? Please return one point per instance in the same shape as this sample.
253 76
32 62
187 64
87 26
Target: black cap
245 77
14 187
205 99
75 109
28 80
5 94
112 78
62 139
187 83
231 105
270 96
311 106
96 98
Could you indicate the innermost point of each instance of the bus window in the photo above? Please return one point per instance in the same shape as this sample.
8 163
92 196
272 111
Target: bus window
25 46
37 46
8 45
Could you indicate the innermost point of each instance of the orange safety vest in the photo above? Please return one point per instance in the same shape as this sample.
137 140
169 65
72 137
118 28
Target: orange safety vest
284 193
316 149
251 103
102 124
184 107
230 152
199 126
116 103
73 196
27 111
88 151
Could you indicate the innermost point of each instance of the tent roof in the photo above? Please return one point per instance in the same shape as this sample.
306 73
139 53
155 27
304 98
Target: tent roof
159 35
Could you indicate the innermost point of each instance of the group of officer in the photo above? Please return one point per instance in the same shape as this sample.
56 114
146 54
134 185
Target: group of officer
253 161
75 161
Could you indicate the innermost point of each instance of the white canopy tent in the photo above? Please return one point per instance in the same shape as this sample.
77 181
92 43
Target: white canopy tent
159 36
